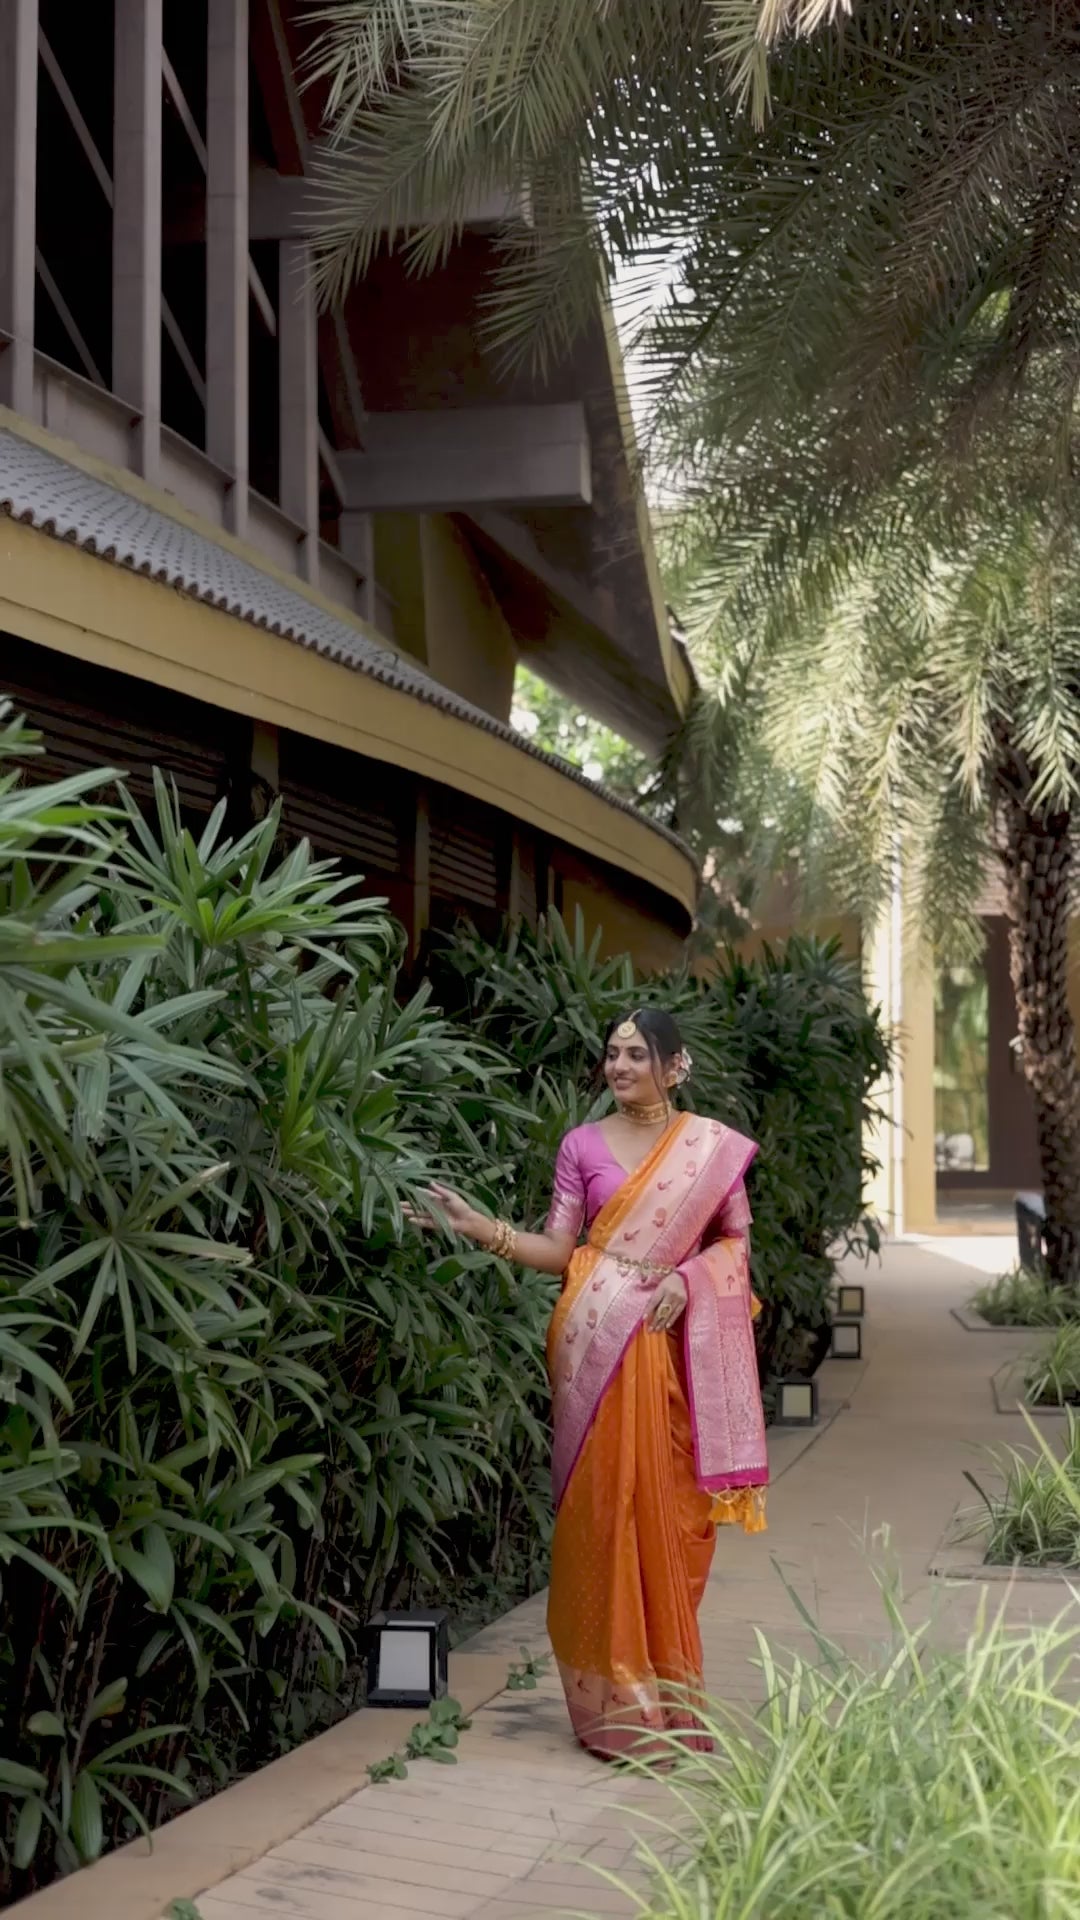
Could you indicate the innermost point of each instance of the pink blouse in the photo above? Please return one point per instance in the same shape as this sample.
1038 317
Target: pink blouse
587 1174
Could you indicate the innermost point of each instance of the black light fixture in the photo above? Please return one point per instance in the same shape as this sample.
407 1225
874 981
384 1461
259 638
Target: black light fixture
1031 1230
796 1403
846 1340
408 1659
850 1302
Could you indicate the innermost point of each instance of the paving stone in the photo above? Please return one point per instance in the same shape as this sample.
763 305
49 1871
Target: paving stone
516 1829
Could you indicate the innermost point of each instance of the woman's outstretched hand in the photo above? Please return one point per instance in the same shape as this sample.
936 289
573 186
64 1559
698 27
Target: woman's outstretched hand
668 1303
457 1212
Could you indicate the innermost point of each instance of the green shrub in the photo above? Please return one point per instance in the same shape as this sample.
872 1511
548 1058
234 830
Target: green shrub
811 1053
785 1048
1033 1517
1052 1375
1021 1298
241 1405
908 1787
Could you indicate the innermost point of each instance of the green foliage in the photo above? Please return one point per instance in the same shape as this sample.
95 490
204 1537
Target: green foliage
907 1786
1032 1518
1052 1375
435 1738
785 1048
525 1674
1021 1298
242 1406
883 245
558 725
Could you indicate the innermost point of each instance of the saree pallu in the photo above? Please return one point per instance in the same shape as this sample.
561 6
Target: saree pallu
658 1438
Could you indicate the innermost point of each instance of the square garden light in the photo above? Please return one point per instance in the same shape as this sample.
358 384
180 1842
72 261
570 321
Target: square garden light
796 1403
850 1302
408 1658
846 1340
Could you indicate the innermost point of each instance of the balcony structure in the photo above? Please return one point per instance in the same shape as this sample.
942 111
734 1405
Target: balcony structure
302 553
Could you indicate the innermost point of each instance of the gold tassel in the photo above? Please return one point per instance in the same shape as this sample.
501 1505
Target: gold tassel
743 1507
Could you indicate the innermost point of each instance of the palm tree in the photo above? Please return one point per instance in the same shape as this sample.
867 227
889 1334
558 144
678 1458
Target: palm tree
894 217
865 354
907 688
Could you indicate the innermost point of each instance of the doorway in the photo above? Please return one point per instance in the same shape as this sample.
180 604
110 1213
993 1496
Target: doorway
985 1144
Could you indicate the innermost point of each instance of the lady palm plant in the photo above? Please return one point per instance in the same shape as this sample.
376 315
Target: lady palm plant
239 1405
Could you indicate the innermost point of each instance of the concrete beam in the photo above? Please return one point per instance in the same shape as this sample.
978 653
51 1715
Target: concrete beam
299 398
458 459
18 187
136 187
283 204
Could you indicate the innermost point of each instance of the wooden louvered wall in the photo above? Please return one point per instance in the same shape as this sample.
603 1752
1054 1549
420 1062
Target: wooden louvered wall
90 717
469 848
358 810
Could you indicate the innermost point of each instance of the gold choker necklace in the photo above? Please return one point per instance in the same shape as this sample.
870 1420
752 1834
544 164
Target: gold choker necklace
645 1116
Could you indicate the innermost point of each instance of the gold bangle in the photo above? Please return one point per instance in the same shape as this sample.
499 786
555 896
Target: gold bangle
504 1241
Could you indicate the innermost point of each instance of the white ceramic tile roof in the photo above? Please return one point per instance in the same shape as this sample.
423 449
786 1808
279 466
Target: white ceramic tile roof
46 492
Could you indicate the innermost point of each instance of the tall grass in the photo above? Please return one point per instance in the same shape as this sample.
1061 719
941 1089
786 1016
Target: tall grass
1031 1517
1052 1375
914 1786
1022 1298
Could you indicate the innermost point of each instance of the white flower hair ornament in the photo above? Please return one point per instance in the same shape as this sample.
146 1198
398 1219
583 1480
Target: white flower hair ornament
684 1064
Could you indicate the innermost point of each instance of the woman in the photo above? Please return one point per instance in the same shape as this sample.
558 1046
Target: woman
657 1439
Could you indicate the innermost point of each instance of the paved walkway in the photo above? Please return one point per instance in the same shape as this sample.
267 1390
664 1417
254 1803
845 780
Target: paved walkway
517 1829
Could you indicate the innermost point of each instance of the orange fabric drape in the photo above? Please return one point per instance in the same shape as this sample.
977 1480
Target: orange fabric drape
633 1544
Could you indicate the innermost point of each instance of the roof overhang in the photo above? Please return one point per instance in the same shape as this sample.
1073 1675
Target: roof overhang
546 474
135 582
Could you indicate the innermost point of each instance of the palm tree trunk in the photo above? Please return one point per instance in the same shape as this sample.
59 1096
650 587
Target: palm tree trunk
1035 848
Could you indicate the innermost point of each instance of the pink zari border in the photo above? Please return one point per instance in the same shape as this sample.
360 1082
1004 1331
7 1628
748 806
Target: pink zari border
721 1370
642 1719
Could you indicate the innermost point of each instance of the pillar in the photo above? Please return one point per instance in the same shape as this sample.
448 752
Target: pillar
18 189
136 326
298 374
227 251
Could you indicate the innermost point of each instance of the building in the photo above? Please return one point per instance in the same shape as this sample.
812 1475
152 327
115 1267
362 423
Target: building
960 1139
278 551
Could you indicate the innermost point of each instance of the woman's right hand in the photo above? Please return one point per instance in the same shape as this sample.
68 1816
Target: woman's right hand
459 1215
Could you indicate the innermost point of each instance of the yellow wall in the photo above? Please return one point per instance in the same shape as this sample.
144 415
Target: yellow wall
842 927
399 570
469 645
917 1065
919 1177
623 928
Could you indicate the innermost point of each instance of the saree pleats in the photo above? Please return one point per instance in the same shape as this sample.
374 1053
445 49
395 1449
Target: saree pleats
633 1545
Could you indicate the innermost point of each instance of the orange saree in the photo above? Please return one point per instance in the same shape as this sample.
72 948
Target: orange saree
658 1438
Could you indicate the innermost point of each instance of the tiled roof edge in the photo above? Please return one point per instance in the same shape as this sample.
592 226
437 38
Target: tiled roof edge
299 619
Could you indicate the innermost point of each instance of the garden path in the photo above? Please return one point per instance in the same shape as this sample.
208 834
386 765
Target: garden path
518 1828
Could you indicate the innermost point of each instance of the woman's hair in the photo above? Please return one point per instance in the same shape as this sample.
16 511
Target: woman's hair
659 1032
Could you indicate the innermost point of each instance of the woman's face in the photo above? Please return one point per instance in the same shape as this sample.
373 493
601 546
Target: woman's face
630 1071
